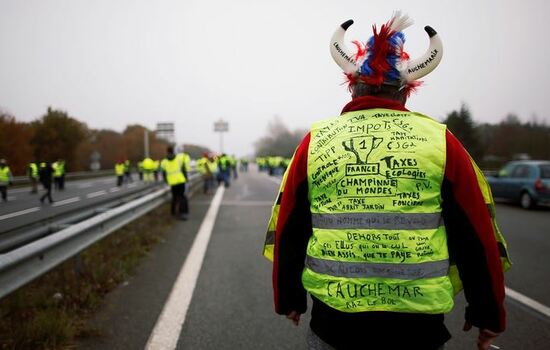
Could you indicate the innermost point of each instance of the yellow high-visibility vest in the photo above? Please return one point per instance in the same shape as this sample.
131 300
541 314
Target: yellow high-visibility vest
174 174
4 175
119 169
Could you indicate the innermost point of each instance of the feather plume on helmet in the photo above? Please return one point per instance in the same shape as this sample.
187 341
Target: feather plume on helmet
382 59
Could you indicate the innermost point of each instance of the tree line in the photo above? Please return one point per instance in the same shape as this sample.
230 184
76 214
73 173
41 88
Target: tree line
57 135
491 145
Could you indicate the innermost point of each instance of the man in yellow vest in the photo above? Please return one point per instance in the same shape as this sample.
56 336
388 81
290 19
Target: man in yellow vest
185 159
59 174
172 171
204 167
119 172
33 176
148 170
5 179
383 217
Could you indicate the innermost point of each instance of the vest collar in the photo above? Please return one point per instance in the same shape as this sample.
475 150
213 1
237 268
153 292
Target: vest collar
370 102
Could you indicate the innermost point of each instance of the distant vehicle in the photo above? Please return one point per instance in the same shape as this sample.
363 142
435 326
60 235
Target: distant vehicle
524 181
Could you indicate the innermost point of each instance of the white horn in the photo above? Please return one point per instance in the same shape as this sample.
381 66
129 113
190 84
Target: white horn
423 65
343 56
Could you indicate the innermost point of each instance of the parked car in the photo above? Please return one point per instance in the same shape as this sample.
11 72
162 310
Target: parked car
526 182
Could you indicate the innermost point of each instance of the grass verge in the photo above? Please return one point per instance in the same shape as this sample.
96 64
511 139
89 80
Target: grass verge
51 311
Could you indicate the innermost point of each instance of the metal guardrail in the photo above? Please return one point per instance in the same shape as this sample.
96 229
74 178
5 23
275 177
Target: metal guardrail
30 231
24 264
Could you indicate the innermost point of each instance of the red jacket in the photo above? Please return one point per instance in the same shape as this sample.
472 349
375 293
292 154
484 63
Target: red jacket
471 240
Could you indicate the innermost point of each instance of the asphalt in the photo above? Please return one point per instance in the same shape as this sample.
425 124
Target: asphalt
232 304
24 208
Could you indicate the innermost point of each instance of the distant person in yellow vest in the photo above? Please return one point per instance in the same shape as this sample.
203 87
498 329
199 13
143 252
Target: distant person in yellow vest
32 171
383 217
185 159
6 179
233 163
148 170
172 171
127 171
207 168
224 170
156 165
140 170
119 172
59 174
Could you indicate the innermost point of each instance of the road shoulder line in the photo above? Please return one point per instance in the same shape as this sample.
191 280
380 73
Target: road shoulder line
531 303
167 330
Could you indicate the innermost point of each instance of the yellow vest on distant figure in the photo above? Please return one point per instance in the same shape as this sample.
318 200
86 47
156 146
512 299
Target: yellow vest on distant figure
174 175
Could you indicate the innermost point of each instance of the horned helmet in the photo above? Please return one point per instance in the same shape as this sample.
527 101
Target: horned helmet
382 59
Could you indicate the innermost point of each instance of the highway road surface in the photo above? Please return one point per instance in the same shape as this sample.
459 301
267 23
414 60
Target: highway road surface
216 293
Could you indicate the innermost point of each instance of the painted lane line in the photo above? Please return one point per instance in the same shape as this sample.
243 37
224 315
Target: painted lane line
167 330
86 185
66 201
114 189
133 184
21 190
533 304
11 198
17 213
96 194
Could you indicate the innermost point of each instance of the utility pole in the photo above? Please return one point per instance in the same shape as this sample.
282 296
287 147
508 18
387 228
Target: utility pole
221 126
146 143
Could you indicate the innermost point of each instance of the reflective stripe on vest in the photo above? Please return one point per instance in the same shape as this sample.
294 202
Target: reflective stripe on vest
382 221
378 241
349 269
174 175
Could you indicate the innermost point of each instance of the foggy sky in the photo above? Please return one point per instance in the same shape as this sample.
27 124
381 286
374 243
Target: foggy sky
112 63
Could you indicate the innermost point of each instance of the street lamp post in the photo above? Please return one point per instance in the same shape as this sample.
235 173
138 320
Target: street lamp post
221 126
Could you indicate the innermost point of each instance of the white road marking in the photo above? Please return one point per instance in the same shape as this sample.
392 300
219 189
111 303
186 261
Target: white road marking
167 330
85 185
21 190
11 198
17 213
133 184
96 194
114 189
65 201
533 304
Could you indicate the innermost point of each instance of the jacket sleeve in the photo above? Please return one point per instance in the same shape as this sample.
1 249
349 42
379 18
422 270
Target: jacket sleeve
471 239
292 233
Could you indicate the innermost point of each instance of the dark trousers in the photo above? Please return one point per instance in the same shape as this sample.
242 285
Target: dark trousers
34 184
119 180
48 194
179 200
4 191
208 182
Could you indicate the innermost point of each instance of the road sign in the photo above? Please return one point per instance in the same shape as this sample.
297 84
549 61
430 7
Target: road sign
221 126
